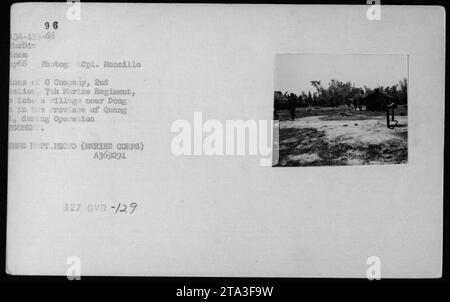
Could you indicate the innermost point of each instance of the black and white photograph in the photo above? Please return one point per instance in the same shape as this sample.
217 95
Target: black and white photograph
341 109
224 149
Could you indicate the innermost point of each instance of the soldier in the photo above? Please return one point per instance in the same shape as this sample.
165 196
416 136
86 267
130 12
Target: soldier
292 106
355 103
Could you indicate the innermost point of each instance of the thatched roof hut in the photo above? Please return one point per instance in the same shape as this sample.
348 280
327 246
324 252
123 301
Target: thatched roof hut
279 97
377 100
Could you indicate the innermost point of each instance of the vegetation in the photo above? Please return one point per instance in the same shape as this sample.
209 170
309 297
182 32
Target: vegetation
339 93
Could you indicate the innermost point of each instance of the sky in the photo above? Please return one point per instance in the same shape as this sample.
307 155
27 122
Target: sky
294 72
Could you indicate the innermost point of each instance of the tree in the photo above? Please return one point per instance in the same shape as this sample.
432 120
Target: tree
309 98
403 93
317 85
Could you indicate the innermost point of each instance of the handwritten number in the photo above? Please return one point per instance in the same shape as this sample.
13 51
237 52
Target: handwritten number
133 205
54 25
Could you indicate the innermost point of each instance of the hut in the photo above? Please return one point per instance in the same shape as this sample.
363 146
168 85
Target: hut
281 101
377 100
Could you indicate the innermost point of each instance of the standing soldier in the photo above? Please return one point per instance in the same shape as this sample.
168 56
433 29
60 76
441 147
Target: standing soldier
355 103
292 105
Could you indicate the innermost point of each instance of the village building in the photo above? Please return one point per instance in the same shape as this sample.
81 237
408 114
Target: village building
377 100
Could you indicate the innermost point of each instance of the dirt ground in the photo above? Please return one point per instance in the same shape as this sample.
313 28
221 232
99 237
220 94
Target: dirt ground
340 136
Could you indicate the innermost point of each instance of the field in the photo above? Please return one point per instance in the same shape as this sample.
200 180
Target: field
322 136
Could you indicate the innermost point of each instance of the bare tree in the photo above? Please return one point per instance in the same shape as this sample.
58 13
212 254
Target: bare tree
318 87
